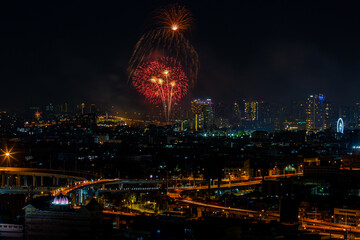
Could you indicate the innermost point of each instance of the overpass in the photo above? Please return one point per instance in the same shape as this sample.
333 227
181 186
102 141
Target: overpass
177 195
104 182
333 229
121 182
21 176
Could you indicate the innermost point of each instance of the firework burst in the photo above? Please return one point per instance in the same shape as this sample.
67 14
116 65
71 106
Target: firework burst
161 81
174 19
167 38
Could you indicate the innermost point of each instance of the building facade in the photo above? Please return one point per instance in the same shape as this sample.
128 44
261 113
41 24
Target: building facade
317 113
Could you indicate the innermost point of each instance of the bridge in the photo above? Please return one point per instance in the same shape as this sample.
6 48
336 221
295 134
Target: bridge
335 230
179 195
122 182
14 176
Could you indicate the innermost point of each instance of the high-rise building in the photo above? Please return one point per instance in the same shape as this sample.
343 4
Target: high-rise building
317 113
327 115
203 111
357 114
82 108
251 110
236 114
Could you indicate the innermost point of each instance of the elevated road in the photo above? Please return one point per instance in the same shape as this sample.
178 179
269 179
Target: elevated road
82 184
86 183
176 194
44 172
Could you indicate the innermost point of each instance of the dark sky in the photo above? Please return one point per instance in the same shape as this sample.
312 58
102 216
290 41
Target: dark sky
74 51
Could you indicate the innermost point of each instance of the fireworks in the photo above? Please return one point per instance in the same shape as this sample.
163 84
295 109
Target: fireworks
161 81
167 38
173 18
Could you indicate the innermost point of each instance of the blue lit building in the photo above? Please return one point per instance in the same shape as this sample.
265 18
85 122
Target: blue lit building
318 113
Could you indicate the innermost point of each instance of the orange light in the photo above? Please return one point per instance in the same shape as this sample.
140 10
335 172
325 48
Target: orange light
7 154
174 27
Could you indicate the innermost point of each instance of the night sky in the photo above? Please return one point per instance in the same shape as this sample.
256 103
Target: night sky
75 51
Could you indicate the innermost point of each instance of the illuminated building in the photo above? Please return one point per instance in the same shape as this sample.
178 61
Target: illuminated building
58 220
258 115
221 122
251 110
203 111
327 115
296 125
357 115
236 113
317 113
82 108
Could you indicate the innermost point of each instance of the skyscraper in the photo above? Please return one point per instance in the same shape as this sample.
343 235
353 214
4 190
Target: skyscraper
203 111
357 114
251 110
236 114
317 113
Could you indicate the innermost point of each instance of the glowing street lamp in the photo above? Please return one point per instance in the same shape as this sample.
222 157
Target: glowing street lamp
7 154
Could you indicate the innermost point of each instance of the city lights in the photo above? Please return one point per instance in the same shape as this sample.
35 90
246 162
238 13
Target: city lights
8 155
111 129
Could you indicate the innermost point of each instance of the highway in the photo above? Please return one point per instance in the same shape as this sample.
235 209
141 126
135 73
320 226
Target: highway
43 172
219 207
328 227
258 180
80 184
334 229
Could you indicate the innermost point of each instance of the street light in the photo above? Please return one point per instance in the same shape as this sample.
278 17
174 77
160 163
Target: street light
7 154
